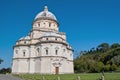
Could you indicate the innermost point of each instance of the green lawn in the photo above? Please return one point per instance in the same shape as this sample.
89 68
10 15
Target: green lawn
83 76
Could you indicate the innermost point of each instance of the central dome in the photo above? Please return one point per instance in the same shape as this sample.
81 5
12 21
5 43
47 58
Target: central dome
45 14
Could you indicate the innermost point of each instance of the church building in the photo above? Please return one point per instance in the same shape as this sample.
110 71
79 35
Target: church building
44 50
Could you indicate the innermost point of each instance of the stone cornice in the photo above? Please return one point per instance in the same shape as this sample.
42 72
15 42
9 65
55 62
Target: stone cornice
52 42
42 42
51 36
70 60
40 57
43 29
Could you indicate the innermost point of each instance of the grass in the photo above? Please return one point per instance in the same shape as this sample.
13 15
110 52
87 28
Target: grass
83 76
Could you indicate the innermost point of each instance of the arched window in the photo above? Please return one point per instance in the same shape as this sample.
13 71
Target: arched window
24 42
24 53
38 24
63 50
71 54
46 38
38 50
16 51
49 24
46 51
56 52
56 39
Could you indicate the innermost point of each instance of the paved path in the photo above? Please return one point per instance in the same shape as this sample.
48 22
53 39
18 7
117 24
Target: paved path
8 77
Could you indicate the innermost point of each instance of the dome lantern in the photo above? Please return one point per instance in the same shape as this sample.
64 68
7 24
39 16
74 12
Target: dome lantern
46 9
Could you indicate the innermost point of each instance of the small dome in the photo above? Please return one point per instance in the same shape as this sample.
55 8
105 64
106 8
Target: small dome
46 14
25 38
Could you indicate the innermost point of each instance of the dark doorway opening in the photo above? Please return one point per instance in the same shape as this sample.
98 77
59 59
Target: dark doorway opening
57 70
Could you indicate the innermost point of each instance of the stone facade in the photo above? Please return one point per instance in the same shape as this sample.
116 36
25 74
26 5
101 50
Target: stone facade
44 50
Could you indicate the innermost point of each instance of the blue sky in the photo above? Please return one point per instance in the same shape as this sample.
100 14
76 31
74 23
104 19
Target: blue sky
87 23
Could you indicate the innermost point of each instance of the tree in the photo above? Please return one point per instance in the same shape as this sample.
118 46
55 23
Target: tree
103 47
94 60
91 66
99 67
113 67
115 45
107 67
5 70
116 60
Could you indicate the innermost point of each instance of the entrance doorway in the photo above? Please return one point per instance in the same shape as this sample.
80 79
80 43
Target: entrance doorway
56 70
